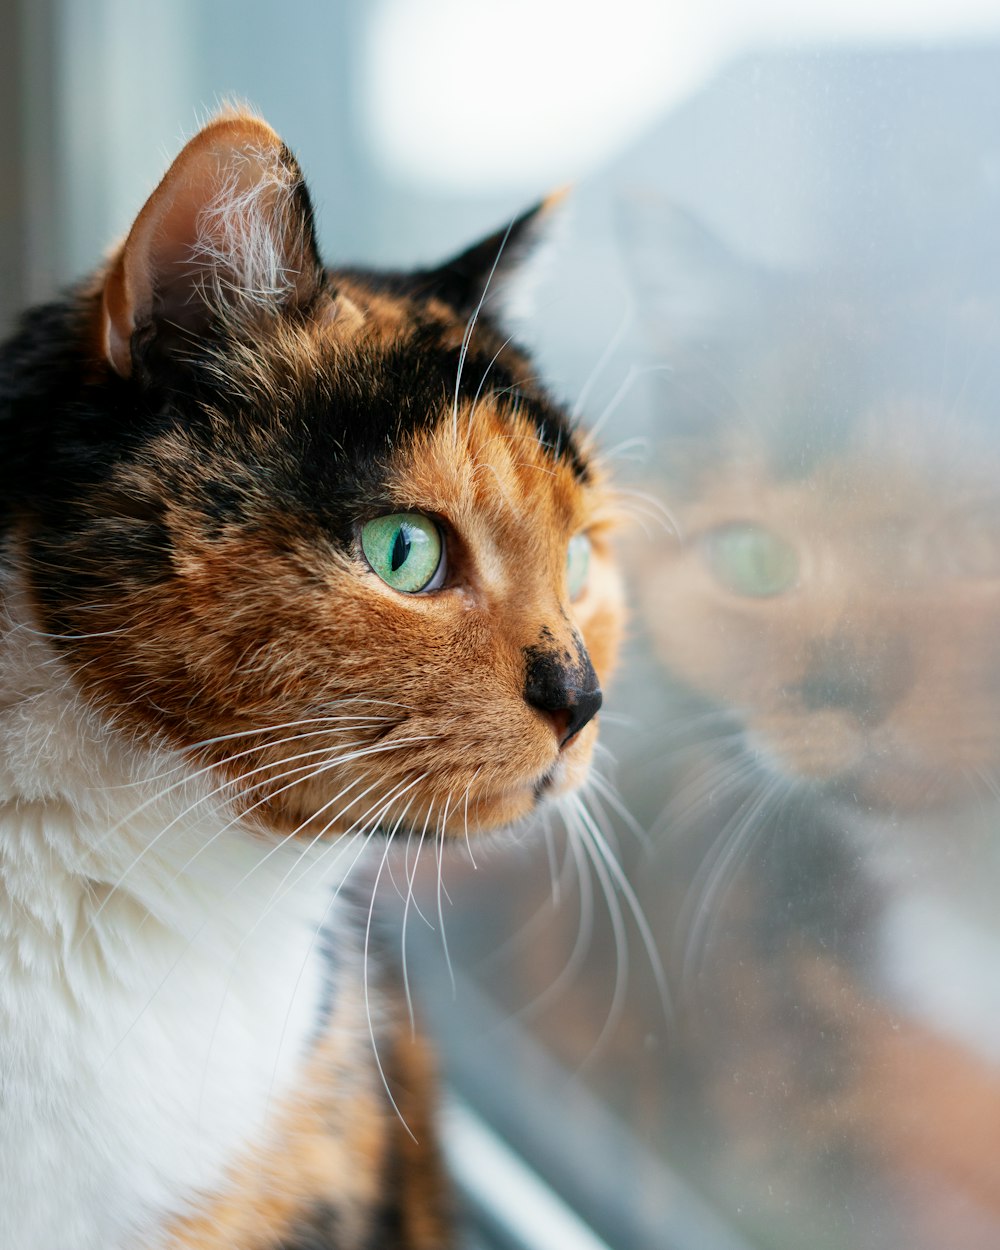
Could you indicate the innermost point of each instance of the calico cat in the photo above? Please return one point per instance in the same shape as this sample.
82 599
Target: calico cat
297 564
827 610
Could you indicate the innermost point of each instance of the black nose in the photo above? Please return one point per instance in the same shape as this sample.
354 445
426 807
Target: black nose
868 684
564 687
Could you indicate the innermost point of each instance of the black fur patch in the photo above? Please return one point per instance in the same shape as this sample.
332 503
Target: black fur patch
319 1230
81 448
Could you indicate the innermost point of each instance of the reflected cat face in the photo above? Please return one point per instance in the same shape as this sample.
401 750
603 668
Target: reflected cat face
850 619
835 581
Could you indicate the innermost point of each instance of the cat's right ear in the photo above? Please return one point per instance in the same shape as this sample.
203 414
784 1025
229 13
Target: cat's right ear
226 237
690 286
466 280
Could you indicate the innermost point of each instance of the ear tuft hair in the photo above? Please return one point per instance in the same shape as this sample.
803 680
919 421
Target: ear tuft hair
227 235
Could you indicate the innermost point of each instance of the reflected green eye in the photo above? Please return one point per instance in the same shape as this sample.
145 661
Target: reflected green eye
405 550
752 561
577 564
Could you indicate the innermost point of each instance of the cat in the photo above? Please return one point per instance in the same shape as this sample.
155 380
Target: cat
297 564
827 610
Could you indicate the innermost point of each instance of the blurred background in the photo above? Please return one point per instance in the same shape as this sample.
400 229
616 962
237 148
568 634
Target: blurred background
745 992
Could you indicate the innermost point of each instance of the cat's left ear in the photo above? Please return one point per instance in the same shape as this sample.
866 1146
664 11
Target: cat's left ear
484 268
227 235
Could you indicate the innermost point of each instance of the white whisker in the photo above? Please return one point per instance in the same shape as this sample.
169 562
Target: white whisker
581 943
713 880
620 987
368 1009
610 348
406 912
471 326
628 893
359 753
439 847
379 808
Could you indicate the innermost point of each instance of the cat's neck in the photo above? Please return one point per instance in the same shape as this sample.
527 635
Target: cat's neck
153 955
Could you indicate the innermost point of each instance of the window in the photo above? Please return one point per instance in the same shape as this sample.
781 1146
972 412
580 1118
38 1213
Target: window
751 1002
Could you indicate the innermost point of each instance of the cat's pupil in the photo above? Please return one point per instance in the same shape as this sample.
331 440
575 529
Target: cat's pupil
400 549
404 549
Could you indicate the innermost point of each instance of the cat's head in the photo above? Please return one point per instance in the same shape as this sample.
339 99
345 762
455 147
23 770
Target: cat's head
322 529
831 460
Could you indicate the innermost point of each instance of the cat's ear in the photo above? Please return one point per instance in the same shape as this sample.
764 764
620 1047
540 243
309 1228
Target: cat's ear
690 286
227 235
484 268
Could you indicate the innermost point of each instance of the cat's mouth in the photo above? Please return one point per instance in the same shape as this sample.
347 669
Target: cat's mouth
894 782
544 784
567 773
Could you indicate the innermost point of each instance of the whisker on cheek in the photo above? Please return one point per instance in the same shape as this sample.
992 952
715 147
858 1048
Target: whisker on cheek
624 886
465 806
620 935
439 849
287 886
411 900
365 984
223 788
710 885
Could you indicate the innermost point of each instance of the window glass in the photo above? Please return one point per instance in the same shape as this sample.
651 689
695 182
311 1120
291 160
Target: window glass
744 993
786 322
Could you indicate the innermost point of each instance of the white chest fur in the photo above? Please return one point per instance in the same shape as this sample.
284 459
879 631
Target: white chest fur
160 973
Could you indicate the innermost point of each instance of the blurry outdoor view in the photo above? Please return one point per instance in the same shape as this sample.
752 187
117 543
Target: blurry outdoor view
744 992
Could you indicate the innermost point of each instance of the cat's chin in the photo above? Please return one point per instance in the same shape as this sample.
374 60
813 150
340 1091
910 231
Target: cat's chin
568 773
862 772
893 785
501 809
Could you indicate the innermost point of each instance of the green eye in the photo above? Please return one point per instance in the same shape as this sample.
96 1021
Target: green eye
577 564
405 550
753 561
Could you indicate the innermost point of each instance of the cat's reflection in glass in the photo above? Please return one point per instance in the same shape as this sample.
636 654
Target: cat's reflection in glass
826 614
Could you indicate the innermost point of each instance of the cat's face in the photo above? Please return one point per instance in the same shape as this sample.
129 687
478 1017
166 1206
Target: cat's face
850 619
835 578
315 524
